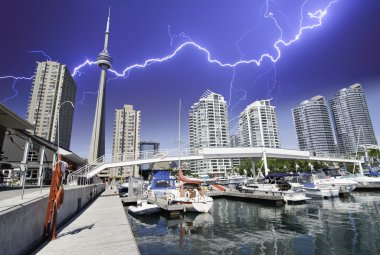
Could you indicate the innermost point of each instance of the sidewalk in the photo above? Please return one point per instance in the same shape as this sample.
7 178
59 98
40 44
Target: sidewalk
103 228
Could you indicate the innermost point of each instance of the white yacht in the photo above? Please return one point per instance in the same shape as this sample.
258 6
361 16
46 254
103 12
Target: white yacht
364 182
237 179
274 184
318 184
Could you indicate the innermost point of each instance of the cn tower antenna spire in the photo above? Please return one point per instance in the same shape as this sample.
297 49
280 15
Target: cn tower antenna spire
107 31
104 60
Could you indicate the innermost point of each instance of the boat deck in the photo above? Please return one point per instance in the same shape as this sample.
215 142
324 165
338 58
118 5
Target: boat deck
163 204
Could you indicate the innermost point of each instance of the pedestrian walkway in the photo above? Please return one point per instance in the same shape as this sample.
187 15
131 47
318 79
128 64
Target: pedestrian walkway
103 228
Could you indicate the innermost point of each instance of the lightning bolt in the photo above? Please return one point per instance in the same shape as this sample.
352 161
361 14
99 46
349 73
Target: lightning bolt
41 52
84 96
15 79
85 63
182 35
317 16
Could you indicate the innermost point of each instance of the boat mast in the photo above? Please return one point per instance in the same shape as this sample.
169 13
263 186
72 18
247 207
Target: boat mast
179 135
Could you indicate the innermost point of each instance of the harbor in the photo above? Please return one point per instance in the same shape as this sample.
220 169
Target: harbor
190 127
238 222
344 225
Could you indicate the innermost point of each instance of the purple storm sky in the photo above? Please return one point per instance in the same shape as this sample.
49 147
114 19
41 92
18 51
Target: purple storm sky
343 51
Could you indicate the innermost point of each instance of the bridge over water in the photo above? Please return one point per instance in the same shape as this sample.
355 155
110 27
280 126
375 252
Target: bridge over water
85 173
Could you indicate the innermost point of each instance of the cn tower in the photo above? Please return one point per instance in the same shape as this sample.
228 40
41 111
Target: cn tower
104 61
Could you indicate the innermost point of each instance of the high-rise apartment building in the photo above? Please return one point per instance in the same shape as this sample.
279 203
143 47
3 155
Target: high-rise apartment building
126 138
313 127
209 128
258 126
53 85
353 125
234 141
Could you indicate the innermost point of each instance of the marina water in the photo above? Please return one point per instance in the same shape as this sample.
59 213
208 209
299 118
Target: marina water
349 225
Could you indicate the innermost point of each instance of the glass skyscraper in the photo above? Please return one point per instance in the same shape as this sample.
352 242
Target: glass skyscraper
353 125
313 127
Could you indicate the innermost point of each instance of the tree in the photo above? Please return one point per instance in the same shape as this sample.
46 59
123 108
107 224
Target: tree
245 164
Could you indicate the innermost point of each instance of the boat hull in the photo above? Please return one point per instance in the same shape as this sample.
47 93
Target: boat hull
368 185
295 197
321 192
364 182
144 210
287 196
199 206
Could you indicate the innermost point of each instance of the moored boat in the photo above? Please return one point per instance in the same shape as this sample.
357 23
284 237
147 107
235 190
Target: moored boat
237 179
364 182
143 208
161 184
313 191
190 195
329 177
276 185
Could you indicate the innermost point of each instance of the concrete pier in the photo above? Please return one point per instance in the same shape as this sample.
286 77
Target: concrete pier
22 220
103 228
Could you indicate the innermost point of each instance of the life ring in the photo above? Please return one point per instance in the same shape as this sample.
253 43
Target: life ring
187 194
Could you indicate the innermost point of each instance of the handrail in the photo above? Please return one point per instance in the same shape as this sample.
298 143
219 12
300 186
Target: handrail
83 172
121 157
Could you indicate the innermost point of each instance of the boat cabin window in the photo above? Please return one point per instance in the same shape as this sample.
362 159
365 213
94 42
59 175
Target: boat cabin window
305 178
332 172
164 184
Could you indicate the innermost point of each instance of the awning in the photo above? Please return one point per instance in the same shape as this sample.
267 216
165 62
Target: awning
10 119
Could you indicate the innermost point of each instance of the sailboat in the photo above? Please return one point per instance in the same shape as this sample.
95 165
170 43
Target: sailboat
190 195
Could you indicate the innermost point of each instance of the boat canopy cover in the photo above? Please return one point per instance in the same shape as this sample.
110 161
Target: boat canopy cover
161 180
161 174
279 175
372 172
183 178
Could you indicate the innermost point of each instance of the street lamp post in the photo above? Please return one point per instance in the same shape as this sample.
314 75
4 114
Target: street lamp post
59 110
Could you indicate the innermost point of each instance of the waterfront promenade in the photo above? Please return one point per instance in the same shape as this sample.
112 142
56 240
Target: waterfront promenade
102 228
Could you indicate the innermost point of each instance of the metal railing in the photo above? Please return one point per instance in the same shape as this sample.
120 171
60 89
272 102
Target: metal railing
81 176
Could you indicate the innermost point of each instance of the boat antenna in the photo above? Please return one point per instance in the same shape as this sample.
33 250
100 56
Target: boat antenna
179 134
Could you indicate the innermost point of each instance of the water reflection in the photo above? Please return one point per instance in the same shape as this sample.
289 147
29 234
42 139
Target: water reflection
340 226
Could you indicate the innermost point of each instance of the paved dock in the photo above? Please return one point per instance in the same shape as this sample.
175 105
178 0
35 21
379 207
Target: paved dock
103 228
128 200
